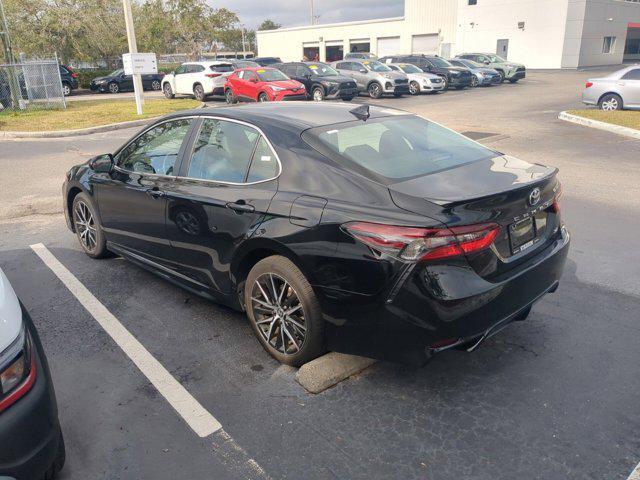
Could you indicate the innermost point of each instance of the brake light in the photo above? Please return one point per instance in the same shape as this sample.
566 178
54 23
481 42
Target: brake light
589 85
413 243
556 200
74 75
212 75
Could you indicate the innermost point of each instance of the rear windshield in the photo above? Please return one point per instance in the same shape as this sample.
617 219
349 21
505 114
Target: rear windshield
270 75
221 68
396 148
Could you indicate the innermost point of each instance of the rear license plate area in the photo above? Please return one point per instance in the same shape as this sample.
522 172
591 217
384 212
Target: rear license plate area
522 235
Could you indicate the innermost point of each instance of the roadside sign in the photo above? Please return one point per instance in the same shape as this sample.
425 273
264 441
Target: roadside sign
139 63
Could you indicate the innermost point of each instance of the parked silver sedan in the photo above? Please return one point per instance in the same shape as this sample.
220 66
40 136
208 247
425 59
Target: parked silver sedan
617 91
419 81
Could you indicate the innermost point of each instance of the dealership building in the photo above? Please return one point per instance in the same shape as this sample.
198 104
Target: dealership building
538 33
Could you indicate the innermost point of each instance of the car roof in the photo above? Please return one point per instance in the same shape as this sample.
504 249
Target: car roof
208 62
300 115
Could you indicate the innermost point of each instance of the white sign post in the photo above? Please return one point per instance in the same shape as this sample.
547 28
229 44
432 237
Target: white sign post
133 52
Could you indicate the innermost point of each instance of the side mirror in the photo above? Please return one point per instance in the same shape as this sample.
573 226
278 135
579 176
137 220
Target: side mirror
363 70
101 163
487 62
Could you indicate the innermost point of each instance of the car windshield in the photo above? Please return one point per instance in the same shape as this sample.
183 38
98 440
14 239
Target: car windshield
318 70
116 73
376 66
496 59
440 62
397 147
408 68
270 75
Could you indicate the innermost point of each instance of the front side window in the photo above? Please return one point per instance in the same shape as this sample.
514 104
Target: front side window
440 62
223 151
398 147
181 69
116 73
156 150
408 68
496 59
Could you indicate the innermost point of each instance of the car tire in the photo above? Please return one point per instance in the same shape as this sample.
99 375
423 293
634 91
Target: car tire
347 99
66 89
113 87
501 75
445 82
230 97
414 88
155 85
317 94
87 227
474 81
198 93
263 97
514 80
375 90
610 102
275 286
168 91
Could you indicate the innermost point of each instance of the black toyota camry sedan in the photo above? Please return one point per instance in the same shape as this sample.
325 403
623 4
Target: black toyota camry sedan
362 230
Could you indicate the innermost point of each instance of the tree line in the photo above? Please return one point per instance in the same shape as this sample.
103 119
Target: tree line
91 30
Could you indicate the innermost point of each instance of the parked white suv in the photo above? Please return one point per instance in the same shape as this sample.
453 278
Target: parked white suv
199 79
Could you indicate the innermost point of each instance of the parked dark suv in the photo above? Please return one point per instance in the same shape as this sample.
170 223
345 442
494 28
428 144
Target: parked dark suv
455 77
69 80
320 80
266 61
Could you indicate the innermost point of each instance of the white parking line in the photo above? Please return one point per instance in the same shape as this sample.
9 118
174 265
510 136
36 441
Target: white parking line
199 419
635 475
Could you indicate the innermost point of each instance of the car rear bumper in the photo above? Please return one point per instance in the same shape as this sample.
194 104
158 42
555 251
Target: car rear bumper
438 305
29 429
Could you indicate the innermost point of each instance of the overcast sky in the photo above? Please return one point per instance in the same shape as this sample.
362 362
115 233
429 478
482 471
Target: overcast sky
292 13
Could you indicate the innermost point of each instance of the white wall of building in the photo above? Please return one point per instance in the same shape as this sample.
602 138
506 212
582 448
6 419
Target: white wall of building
422 17
538 45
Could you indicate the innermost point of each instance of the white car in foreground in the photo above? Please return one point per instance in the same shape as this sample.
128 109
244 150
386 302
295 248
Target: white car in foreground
197 79
419 81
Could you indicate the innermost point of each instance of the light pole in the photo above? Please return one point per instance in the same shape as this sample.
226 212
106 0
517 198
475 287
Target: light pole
133 48
313 17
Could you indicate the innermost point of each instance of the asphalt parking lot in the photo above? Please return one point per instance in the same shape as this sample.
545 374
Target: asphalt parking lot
555 397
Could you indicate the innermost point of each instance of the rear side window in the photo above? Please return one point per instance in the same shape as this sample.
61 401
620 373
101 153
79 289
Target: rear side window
632 74
156 150
264 164
396 148
223 151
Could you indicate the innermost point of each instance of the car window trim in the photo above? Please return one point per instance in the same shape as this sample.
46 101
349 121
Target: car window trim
187 159
181 152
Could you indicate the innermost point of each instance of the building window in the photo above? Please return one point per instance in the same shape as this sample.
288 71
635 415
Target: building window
608 44
473 2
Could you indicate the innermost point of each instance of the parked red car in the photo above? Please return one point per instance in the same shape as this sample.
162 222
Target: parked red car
262 85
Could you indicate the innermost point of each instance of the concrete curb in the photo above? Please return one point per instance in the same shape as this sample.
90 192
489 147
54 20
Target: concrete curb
330 369
84 131
587 122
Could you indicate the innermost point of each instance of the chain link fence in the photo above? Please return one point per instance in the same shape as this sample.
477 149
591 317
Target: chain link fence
31 84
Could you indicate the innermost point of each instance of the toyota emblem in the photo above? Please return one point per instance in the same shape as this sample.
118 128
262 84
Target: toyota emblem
534 196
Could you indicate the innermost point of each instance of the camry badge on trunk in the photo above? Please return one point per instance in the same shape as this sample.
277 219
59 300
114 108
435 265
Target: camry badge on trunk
534 196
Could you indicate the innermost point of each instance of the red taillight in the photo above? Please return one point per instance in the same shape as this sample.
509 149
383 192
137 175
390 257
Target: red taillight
21 390
556 200
74 75
413 243
589 85
212 75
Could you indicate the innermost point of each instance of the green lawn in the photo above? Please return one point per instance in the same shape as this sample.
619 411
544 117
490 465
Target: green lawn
624 118
88 113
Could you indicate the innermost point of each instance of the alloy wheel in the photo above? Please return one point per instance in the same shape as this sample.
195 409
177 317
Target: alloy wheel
85 226
229 96
66 90
375 91
167 91
278 314
318 96
114 88
263 97
610 104
474 81
414 88
155 85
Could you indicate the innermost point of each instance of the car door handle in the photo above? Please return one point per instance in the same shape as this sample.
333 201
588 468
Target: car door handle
240 207
154 192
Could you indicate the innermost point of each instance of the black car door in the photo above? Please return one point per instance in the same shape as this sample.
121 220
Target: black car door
131 198
220 199
303 75
126 82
